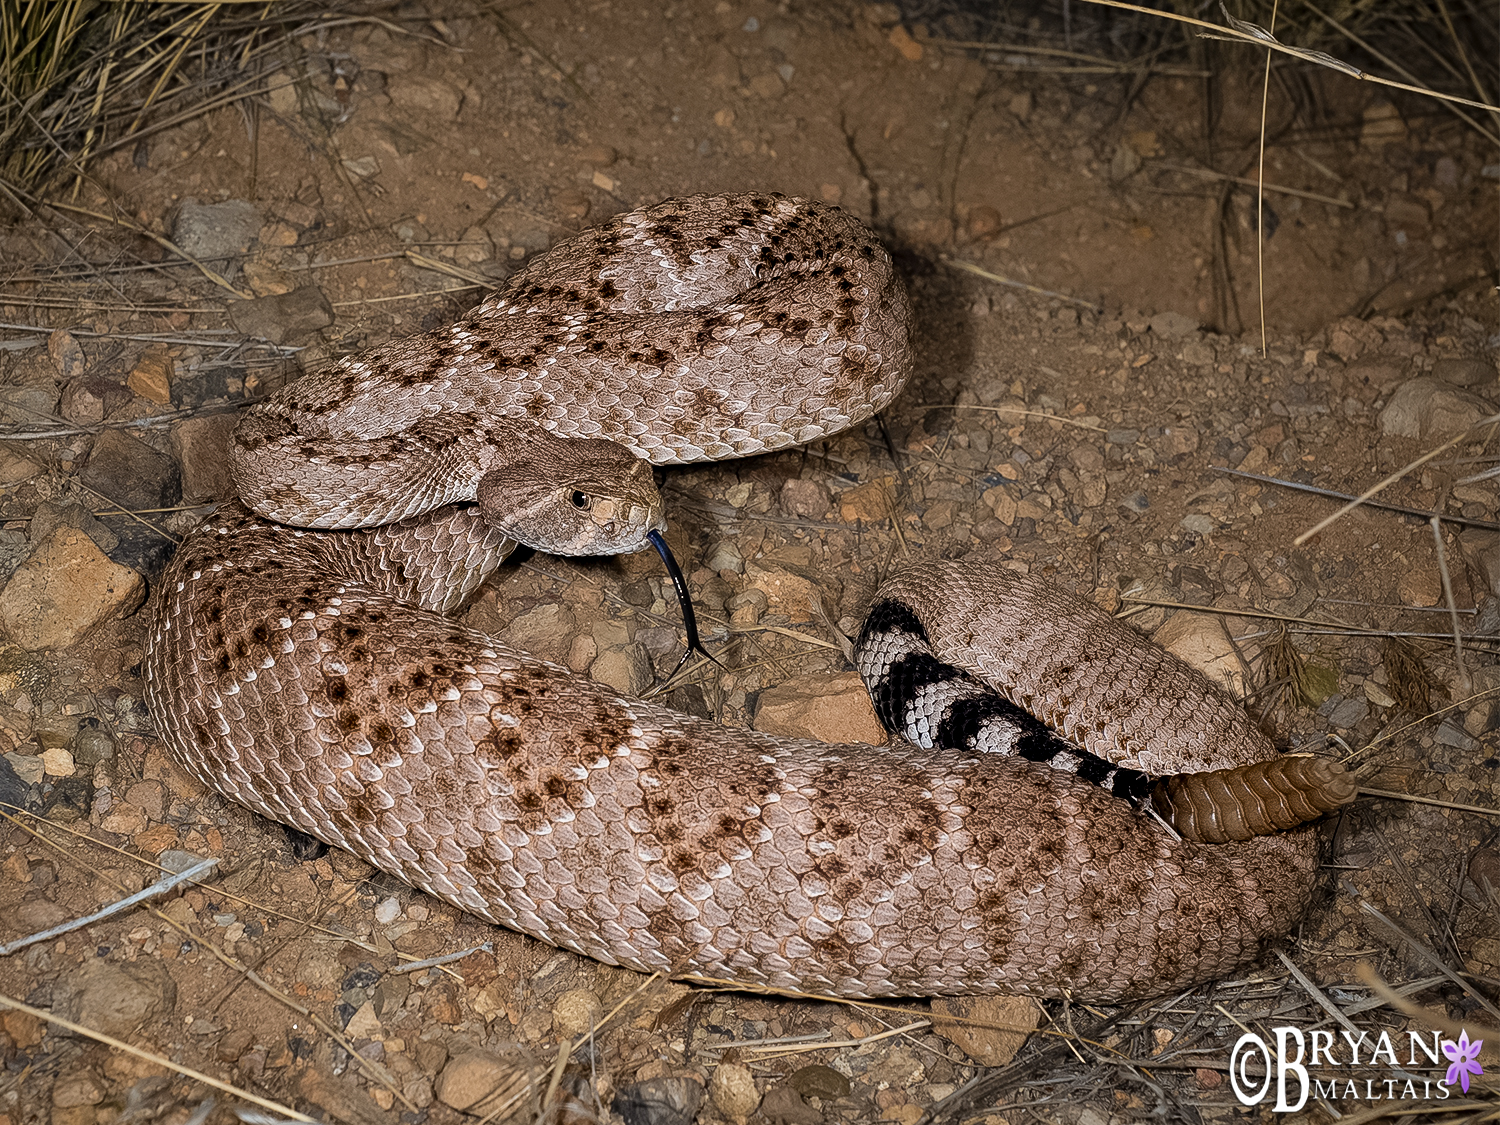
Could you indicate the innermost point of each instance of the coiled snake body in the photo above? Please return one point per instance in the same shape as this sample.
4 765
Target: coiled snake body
311 675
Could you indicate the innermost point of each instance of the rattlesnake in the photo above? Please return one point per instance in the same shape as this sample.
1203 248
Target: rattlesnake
311 676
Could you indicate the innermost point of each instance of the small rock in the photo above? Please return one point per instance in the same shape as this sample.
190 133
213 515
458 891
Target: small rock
543 631
576 1012
429 96
58 762
89 401
1382 125
201 447
15 468
767 85
93 746
387 911
1420 585
901 39
1484 870
177 861
482 1081
1349 337
81 1087
829 706
474 247
213 232
804 499
124 819
670 1100
1348 714
782 1105
1199 524
1431 408
600 156
984 222
870 502
818 1081
732 1088
726 556
130 473
1203 642
991 1029
27 768
49 517
364 1023
66 354
572 204
264 279
1470 372
151 377
64 591
626 668
1173 325
118 998
288 318
339 1097
26 1030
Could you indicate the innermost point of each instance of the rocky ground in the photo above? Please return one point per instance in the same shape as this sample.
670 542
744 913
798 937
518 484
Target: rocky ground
1092 402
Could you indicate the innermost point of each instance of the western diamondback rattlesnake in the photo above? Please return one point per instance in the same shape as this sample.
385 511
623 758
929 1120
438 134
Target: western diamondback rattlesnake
311 676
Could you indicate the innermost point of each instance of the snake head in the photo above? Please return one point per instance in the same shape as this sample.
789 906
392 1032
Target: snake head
571 496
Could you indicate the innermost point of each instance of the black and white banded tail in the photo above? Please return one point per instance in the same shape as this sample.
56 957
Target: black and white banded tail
935 705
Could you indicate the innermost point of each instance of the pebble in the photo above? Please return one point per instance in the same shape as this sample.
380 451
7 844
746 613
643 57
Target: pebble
214 231
1420 585
818 1081
543 631
804 499
283 318
991 1029
66 590
829 706
732 1088
1202 641
1466 372
387 911
576 1011
130 473
151 377
726 555
201 446
984 222
1174 325
428 96
58 762
364 1023
79 1088
27 767
1348 713
1431 408
118 998
93 746
782 1105
482 1081
625 668
22 671
670 1100
88 401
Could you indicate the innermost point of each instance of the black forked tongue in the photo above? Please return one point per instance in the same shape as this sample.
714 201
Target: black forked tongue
684 599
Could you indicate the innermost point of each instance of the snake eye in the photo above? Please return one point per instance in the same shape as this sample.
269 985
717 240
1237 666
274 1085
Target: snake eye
582 501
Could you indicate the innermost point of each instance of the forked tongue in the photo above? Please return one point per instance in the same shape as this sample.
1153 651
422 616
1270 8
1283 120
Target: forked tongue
684 599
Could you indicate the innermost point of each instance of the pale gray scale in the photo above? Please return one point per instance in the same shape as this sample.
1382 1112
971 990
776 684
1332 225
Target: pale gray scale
926 709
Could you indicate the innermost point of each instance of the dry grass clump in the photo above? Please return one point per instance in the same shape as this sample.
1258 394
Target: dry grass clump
79 78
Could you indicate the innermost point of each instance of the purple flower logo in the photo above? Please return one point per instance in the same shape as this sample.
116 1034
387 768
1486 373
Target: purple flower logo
1464 1056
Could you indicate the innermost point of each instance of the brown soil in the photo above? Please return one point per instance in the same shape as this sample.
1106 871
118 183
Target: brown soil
1067 426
